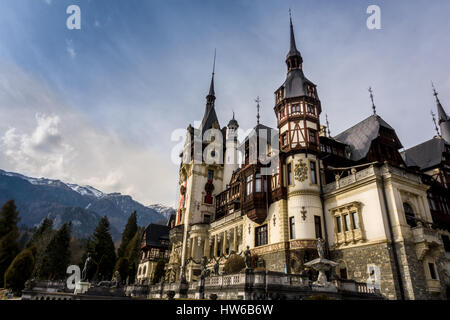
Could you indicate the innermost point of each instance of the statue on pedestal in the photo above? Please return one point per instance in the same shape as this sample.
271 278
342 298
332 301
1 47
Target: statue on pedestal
87 266
320 243
248 258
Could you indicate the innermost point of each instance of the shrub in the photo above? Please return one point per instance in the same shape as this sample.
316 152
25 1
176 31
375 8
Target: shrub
19 271
234 264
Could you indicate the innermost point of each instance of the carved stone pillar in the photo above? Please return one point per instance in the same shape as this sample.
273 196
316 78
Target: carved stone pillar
224 243
206 248
235 244
215 246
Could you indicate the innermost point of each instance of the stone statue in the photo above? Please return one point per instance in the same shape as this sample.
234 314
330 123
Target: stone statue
248 258
117 279
87 265
204 263
320 243
216 268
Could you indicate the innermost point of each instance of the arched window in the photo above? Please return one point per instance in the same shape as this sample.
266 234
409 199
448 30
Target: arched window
145 270
409 214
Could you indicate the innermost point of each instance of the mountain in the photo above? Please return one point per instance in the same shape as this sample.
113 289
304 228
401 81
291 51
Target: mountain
37 198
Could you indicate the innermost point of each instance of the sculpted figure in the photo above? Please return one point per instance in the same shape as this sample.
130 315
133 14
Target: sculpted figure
248 257
87 265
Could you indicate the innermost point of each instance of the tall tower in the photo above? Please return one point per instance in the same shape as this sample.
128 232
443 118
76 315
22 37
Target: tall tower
298 108
231 152
444 120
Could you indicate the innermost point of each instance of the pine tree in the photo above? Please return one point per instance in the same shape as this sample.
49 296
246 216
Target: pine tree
9 235
20 270
128 233
103 250
123 268
133 253
44 232
56 256
40 241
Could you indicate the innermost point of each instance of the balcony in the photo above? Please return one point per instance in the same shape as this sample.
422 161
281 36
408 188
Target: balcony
426 239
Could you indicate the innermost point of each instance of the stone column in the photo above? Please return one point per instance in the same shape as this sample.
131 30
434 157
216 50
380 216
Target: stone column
215 246
224 242
206 248
193 245
235 239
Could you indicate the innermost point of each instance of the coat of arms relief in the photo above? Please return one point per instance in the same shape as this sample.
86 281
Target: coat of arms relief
301 171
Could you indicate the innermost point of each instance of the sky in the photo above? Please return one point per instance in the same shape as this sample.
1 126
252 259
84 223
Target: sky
99 106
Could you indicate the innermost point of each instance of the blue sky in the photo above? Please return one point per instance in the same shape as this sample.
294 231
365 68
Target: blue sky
98 105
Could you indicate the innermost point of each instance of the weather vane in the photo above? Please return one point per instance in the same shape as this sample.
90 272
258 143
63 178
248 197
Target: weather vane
373 104
257 100
328 125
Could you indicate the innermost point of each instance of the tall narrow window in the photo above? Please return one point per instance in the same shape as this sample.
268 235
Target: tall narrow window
258 183
346 222
210 175
355 220
312 136
432 270
409 214
312 165
338 224
289 173
261 236
318 226
292 227
249 184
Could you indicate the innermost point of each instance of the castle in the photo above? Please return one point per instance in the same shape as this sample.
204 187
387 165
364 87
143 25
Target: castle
384 214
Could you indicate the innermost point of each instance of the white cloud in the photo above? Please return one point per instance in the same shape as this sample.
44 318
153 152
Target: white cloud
59 143
70 49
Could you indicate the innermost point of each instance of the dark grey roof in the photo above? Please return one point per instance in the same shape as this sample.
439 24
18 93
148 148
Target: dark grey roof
295 84
154 233
425 155
360 136
260 128
209 118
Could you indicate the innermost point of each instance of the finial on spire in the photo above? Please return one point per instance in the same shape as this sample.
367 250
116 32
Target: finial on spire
373 104
328 125
435 124
211 87
257 100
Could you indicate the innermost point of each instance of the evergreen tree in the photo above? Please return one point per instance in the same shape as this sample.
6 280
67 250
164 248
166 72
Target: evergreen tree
123 268
43 232
40 241
159 271
103 251
9 235
128 233
133 254
20 270
56 256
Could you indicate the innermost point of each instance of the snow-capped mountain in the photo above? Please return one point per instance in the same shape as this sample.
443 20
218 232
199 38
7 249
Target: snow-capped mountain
37 198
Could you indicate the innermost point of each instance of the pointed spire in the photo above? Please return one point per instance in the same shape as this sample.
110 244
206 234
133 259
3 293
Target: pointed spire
211 87
433 116
441 112
294 59
373 104
257 100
